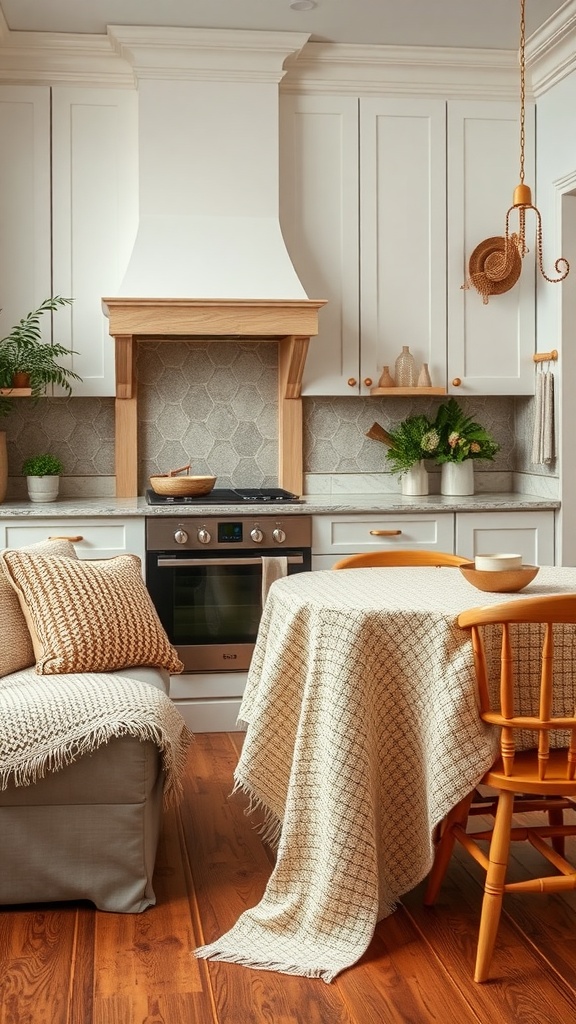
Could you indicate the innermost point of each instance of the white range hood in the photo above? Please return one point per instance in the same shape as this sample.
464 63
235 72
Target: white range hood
209 163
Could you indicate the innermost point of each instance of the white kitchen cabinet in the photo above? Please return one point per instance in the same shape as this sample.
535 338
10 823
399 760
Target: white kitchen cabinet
95 211
69 215
382 201
530 534
490 346
362 206
102 537
334 536
24 202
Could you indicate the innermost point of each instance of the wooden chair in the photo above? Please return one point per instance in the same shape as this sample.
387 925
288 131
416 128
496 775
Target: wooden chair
538 779
400 557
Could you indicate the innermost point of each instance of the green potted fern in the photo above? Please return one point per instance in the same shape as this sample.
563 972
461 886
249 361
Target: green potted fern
27 361
42 474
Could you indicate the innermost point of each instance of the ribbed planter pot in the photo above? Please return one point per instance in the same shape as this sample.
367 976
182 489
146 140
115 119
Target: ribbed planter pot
43 488
415 480
457 477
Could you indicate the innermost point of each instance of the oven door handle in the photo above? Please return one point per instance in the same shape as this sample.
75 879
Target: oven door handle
177 563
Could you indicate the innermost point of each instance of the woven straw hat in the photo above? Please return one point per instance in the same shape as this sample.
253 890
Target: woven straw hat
490 271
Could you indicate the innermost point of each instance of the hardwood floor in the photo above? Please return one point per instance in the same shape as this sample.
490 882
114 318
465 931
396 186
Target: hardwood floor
70 964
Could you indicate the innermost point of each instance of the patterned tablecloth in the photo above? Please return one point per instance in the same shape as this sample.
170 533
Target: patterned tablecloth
362 732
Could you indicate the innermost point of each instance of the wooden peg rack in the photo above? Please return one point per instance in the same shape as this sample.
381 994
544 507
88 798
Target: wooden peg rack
545 357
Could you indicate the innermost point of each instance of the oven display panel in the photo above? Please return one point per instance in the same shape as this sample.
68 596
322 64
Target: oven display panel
229 533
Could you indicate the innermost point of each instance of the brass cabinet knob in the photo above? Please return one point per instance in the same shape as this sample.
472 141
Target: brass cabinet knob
368 382
352 382
456 382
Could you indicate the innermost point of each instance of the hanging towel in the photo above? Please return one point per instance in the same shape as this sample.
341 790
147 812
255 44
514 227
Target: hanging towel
273 568
543 444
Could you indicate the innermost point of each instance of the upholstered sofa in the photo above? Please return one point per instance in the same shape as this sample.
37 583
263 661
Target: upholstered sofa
87 758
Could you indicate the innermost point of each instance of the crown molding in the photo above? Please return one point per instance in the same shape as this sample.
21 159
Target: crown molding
406 70
551 50
205 54
60 58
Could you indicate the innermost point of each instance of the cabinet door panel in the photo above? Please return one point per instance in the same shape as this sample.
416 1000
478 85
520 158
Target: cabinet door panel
319 217
530 534
403 235
490 346
341 535
24 203
95 197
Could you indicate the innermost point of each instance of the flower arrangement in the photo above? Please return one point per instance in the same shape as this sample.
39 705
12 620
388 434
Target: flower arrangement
459 437
414 439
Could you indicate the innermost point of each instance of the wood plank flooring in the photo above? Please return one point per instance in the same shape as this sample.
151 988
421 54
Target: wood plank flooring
70 964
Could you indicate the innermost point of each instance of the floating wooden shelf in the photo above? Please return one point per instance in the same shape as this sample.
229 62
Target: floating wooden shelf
408 391
15 392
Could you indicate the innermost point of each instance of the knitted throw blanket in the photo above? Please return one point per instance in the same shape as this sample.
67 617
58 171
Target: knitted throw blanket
47 722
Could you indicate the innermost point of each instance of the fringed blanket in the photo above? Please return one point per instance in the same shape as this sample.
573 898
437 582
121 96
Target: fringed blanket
47 722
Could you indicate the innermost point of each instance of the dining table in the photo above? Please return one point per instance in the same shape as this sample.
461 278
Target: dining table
362 732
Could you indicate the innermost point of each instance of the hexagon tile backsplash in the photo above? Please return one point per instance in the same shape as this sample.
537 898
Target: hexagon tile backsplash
215 405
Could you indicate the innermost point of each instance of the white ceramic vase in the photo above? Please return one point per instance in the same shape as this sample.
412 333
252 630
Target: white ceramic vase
457 477
43 488
415 480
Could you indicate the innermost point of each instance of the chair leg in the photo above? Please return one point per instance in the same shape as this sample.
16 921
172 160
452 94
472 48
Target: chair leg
494 885
457 816
556 817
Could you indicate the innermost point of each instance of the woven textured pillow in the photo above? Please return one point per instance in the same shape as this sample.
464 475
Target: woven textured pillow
16 650
89 616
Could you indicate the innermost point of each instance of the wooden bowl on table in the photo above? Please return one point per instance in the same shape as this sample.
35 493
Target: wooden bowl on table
503 581
175 486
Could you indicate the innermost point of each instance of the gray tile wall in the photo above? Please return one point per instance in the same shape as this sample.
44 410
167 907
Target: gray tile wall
215 405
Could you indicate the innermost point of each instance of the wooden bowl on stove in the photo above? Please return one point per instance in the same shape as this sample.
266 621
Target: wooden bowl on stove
174 486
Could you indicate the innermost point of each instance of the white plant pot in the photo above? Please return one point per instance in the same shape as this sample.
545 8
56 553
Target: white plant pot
457 477
43 488
415 480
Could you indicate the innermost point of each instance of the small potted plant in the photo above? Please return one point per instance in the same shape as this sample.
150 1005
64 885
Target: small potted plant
413 440
460 441
42 474
27 361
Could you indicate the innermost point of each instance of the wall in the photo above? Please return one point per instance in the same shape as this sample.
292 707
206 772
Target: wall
216 406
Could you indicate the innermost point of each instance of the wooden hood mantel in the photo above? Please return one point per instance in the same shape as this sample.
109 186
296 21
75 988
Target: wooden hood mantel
291 323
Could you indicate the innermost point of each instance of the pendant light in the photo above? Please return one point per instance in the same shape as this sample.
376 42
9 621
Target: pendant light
495 264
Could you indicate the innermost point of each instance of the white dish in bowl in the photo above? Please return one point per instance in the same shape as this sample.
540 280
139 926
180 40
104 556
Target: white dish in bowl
497 563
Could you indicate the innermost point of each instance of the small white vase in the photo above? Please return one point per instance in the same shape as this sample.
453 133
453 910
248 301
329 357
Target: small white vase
457 477
415 480
43 488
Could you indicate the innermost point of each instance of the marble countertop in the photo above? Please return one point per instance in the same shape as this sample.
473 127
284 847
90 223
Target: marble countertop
311 504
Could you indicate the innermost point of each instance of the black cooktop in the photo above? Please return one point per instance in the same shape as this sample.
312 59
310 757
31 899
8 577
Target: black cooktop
224 496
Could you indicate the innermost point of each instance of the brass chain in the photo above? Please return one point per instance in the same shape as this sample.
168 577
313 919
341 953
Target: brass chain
522 87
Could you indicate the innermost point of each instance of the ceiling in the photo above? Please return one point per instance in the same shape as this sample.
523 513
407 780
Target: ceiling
455 23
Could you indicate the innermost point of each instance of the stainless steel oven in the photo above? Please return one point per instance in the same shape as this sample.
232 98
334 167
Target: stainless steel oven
205 576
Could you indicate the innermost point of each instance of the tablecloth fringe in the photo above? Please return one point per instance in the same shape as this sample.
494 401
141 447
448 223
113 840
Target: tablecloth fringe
214 951
271 827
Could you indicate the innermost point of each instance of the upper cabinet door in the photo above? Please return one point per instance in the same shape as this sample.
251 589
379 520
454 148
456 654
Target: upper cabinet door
402 234
25 278
95 211
319 218
490 346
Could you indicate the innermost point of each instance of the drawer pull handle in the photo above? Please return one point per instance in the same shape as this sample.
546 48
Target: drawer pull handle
385 533
73 540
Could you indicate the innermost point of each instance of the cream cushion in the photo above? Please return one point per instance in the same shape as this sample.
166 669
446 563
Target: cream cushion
16 650
88 616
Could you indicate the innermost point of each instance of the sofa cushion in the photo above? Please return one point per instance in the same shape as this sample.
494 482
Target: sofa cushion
88 616
16 650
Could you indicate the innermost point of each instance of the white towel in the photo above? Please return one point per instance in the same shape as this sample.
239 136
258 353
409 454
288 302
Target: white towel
273 568
543 445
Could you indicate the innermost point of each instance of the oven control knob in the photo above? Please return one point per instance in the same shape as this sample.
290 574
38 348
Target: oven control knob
257 535
204 537
180 536
279 536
